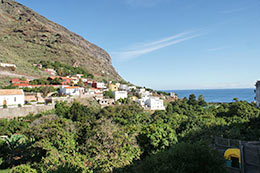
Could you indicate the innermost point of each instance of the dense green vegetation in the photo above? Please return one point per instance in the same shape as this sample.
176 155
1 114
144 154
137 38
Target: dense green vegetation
125 138
44 90
109 94
65 69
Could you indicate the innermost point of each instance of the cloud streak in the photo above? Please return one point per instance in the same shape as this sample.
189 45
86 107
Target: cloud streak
146 48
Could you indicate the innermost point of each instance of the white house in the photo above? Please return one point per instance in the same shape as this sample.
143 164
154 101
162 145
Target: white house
155 103
106 102
75 79
84 80
131 87
142 101
172 94
123 87
257 91
99 85
120 94
79 76
11 97
50 71
72 90
144 93
140 90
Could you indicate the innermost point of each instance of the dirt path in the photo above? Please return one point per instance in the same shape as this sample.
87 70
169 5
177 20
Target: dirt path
10 74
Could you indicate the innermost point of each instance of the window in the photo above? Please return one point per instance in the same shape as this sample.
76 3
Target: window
14 99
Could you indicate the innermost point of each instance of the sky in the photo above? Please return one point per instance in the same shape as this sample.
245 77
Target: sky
169 44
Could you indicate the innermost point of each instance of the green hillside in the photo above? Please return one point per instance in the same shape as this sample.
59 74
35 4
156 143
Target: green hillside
27 37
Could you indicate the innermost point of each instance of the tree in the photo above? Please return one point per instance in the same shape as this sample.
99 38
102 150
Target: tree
78 112
54 141
235 99
201 101
56 81
13 149
23 169
46 90
183 158
62 109
156 137
109 94
38 82
110 146
192 100
123 100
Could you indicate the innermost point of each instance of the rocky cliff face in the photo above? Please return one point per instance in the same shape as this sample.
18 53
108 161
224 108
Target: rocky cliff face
27 37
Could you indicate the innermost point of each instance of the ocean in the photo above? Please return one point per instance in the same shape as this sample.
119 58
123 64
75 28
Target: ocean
218 95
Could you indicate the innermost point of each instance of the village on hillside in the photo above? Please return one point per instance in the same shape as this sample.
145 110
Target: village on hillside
24 92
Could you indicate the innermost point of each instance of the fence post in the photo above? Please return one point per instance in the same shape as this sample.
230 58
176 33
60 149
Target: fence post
241 146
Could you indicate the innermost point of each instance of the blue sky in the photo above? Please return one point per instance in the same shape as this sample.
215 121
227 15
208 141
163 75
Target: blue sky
169 44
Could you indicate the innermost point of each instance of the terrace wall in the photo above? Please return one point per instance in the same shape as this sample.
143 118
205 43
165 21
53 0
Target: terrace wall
23 111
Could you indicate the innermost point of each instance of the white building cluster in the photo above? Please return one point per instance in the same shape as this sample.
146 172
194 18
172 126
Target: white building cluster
148 101
78 86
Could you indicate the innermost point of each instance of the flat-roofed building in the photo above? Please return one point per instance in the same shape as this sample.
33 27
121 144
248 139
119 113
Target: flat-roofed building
120 95
72 90
155 103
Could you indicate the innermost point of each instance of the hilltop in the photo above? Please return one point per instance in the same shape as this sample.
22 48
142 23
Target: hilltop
27 37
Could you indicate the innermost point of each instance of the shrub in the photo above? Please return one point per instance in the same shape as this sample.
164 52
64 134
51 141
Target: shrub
22 169
109 94
184 158
27 104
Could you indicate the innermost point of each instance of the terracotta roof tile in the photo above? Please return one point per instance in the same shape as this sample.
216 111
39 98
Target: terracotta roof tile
72 87
11 92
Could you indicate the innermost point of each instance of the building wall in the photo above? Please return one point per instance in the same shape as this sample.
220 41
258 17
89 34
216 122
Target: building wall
24 111
155 104
120 94
123 87
71 92
258 93
11 100
113 87
29 98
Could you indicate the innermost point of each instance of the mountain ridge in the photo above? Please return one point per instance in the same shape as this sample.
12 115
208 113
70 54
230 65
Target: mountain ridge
26 37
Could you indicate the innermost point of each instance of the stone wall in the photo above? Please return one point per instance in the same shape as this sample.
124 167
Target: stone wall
23 111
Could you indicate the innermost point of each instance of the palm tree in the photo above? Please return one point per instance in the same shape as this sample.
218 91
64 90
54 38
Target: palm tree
12 147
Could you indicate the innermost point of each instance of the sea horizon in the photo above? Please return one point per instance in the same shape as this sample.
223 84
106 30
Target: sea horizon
218 95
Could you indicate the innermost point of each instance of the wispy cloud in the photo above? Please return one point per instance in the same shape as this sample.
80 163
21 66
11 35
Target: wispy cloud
145 48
